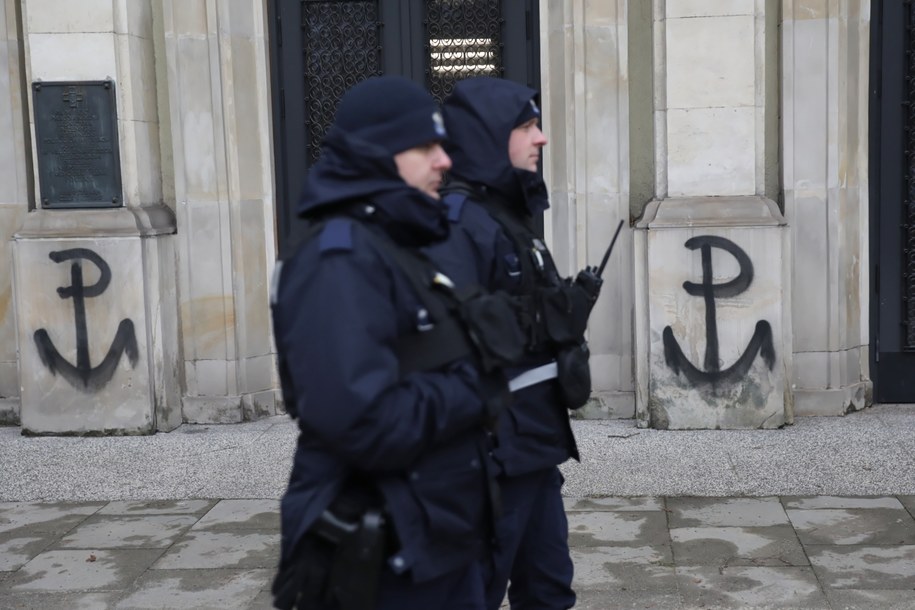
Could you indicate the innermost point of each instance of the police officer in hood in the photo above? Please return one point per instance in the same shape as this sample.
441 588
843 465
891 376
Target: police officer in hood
390 498
494 194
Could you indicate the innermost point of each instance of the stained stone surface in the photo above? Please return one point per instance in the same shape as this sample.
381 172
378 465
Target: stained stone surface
750 587
854 526
864 567
612 504
50 518
158 507
815 502
871 599
776 546
601 529
81 570
242 514
626 600
909 503
111 532
16 551
239 549
191 589
728 512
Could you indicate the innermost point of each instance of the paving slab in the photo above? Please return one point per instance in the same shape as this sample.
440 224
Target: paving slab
824 502
212 549
62 570
57 517
622 577
113 531
612 504
776 545
853 526
871 599
864 567
99 600
158 507
242 514
627 600
726 512
263 601
193 589
750 587
605 528
18 550
909 503
602 555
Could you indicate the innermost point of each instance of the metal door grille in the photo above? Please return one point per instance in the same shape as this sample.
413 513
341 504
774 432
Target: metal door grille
908 274
341 47
463 39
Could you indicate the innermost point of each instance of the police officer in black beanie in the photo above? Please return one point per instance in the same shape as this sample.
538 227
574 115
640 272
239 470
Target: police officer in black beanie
390 497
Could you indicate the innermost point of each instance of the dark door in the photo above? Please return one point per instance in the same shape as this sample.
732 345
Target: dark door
320 48
892 200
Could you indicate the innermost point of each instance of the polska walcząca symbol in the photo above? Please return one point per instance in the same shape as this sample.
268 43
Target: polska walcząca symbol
83 375
760 343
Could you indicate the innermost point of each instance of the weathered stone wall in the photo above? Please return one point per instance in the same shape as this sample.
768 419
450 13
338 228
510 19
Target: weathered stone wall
14 197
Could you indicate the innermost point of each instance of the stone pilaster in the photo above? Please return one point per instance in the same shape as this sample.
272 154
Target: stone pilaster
586 165
824 99
95 289
712 329
15 187
220 177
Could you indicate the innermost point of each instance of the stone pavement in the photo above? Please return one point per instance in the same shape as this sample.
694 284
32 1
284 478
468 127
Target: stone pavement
788 552
817 515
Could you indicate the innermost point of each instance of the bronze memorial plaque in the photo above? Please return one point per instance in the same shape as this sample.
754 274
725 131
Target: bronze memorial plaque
76 130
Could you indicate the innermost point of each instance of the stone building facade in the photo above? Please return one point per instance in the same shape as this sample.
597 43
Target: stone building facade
732 136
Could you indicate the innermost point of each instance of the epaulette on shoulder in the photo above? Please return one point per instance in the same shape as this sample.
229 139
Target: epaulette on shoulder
336 236
455 204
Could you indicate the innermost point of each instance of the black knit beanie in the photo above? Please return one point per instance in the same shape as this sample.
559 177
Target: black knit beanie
391 112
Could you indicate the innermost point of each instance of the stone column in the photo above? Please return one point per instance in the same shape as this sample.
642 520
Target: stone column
825 102
586 166
95 288
712 325
15 188
217 101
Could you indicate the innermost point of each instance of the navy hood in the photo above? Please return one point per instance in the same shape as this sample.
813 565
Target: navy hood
480 115
353 170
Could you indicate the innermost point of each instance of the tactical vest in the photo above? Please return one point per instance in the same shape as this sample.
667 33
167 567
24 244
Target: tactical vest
462 324
552 311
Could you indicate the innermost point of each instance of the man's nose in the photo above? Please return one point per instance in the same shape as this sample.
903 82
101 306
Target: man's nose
540 138
442 160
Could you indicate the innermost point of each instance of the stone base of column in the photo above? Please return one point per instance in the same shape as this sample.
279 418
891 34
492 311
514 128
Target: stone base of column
96 304
838 401
713 338
232 409
607 405
9 412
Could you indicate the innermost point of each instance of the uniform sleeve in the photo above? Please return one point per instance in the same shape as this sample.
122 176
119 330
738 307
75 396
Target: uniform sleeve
336 325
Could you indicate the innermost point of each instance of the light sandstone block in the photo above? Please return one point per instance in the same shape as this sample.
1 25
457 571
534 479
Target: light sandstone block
718 351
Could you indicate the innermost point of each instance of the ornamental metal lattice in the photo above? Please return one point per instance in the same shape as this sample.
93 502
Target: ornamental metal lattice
341 48
909 205
463 39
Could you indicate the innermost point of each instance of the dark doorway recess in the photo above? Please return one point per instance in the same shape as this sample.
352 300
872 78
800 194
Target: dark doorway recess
320 48
892 200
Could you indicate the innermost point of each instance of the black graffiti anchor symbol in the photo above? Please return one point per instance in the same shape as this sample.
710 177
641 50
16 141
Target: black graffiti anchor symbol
760 343
83 375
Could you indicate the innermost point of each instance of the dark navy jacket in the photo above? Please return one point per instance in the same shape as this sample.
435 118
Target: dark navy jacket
339 307
479 117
